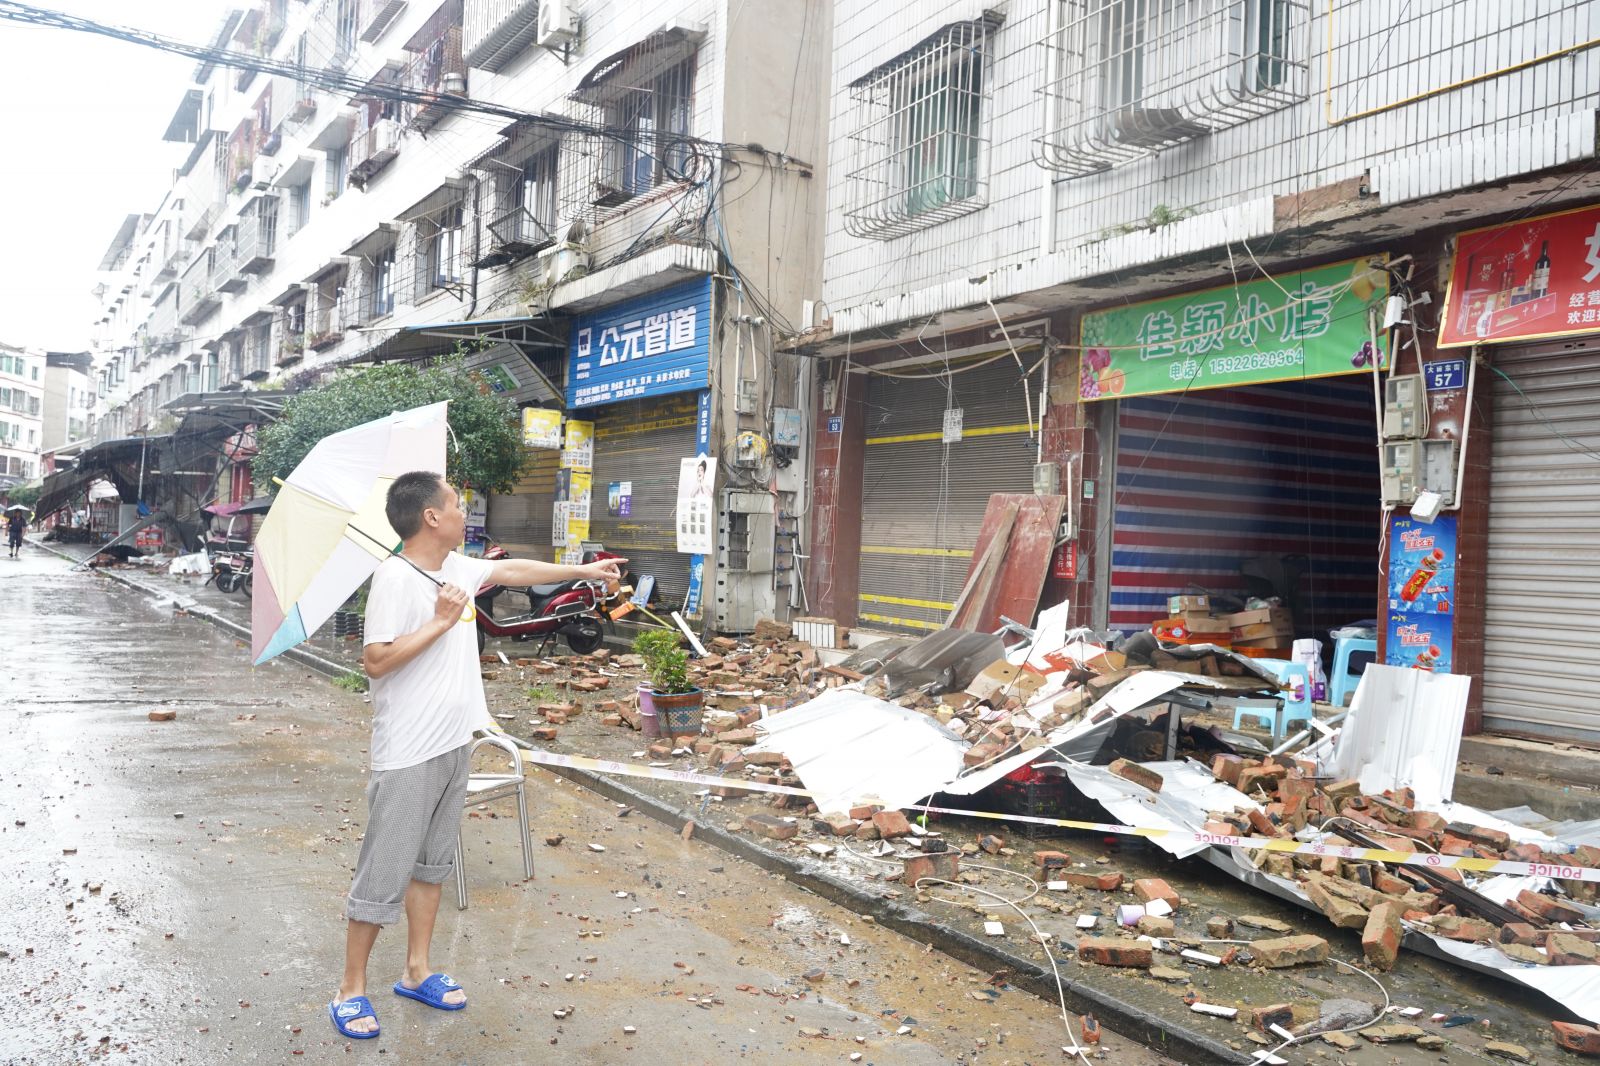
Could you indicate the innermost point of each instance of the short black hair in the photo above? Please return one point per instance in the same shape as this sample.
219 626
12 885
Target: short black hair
409 496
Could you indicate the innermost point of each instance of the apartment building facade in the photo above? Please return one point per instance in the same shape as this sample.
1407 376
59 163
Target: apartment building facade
560 191
68 401
1143 255
21 414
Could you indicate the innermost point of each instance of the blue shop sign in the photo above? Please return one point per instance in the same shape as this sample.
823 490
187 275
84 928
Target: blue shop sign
652 345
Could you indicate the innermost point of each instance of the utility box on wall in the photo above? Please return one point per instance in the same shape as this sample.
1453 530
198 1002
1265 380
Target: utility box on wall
746 533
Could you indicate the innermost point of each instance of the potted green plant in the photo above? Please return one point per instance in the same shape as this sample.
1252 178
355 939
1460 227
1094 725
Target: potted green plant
675 701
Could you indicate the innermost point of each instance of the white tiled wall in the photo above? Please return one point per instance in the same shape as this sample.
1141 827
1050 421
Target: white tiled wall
1382 52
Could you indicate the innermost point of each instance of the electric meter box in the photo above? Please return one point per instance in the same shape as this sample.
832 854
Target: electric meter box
786 427
1401 473
1404 407
1439 458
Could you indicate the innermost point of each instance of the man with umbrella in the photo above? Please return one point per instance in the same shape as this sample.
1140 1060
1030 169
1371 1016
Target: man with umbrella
427 698
16 518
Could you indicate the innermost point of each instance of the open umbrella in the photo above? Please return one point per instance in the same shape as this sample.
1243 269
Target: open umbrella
24 508
326 532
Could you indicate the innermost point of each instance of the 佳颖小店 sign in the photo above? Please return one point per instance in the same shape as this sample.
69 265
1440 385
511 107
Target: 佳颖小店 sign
1539 277
1305 324
651 345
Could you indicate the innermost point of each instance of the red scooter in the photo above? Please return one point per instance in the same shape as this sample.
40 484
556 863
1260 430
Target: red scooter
576 611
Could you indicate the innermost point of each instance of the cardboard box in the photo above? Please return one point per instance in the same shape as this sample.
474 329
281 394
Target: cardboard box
1273 616
1107 662
1001 676
1262 645
1260 631
1179 604
1200 622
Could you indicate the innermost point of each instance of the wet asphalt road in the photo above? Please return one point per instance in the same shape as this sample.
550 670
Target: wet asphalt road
173 890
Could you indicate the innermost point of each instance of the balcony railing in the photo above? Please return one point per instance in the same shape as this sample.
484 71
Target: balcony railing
327 326
228 276
199 219
162 328
1124 79
439 71
256 362
197 291
257 237
291 340
374 148
494 32
513 235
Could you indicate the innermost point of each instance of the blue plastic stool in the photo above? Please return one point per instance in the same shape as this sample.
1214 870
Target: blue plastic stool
1341 681
1292 710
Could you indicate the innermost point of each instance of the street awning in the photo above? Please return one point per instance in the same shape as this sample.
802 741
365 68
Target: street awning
61 488
526 333
107 451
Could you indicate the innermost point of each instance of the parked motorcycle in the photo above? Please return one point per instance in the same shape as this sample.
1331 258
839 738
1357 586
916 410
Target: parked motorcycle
576 611
234 571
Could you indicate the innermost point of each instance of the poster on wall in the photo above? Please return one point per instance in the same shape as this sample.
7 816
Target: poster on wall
696 515
541 428
558 510
1539 277
619 499
578 508
1421 593
477 507
577 450
1304 324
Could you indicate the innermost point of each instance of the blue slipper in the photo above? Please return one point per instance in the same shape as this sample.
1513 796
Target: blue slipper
432 991
348 1011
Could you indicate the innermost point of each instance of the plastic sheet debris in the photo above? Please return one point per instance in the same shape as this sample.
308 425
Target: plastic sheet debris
850 748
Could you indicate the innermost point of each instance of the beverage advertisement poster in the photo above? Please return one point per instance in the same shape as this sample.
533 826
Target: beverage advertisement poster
541 428
1539 277
696 515
1421 593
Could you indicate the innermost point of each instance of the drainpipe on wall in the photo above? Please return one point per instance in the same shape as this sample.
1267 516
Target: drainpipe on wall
1047 185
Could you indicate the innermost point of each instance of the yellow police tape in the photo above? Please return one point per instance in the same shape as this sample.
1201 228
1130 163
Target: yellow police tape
1290 847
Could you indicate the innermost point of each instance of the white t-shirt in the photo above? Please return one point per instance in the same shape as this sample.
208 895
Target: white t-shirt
432 704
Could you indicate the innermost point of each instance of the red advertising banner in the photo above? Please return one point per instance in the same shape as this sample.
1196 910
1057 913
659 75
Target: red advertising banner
1523 280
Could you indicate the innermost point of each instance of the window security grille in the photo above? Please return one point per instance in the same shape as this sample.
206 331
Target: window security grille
918 144
1125 78
648 92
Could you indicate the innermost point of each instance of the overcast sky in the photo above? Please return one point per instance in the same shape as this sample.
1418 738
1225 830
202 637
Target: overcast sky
80 135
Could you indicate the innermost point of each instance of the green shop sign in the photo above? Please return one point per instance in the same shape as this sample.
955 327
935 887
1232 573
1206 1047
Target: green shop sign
1309 324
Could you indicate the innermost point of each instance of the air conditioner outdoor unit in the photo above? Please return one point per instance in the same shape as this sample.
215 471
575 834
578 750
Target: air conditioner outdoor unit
558 24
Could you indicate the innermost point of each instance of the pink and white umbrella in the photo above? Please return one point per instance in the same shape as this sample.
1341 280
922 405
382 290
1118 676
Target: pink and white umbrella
326 532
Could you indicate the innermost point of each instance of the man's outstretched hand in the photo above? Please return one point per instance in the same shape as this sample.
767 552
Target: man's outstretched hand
609 570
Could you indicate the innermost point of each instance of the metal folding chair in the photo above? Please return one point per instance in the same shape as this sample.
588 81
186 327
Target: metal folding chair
482 788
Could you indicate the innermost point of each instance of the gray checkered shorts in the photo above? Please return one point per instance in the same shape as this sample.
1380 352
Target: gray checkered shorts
413 820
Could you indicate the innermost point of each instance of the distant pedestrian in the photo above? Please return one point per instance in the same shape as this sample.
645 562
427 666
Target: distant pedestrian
16 524
427 698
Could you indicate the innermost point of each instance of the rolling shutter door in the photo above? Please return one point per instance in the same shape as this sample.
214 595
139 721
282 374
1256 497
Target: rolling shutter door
1542 617
520 522
1209 480
644 441
923 500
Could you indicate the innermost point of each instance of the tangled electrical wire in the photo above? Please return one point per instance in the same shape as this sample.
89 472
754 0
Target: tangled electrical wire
339 82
